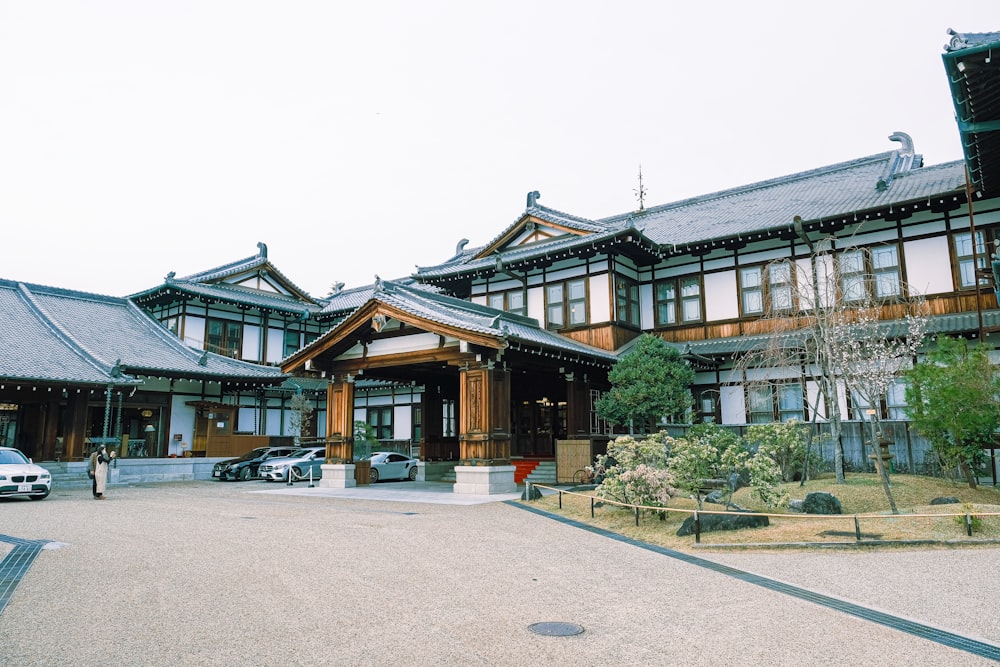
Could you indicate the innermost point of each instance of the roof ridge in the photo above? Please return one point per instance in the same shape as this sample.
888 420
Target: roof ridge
759 185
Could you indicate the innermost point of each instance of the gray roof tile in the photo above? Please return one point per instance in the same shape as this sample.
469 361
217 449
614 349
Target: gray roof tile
63 335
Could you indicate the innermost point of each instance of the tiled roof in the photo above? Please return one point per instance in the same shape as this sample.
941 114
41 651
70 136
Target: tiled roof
959 323
229 293
973 73
53 334
835 192
434 307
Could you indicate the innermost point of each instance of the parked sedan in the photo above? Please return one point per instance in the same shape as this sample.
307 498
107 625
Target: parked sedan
245 467
20 477
390 465
300 463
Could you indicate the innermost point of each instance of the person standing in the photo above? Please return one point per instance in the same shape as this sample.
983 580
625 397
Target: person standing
102 460
92 470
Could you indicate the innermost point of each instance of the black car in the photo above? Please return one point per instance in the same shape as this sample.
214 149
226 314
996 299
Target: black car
245 467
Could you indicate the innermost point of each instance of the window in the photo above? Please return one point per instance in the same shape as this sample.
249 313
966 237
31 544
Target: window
627 301
678 301
598 426
708 406
770 287
448 427
870 273
291 342
891 406
964 261
173 325
775 403
224 337
380 419
566 304
512 302
417 428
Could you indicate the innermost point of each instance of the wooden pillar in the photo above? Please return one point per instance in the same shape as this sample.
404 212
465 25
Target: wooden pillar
340 421
484 416
76 426
577 409
47 445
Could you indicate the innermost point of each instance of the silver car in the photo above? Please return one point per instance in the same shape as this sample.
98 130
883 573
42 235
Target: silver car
20 477
299 463
391 465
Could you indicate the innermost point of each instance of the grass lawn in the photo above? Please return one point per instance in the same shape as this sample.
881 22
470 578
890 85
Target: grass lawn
861 496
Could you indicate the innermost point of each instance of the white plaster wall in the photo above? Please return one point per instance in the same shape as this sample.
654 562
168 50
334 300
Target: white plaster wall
721 296
536 304
420 341
275 347
647 318
928 265
251 343
600 298
733 404
181 421
402 422
194 331
481 300
273 422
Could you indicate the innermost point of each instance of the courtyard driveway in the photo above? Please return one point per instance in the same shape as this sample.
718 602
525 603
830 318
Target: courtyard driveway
207 573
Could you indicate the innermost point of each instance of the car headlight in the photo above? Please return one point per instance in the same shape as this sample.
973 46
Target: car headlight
3 477
280 467
44 475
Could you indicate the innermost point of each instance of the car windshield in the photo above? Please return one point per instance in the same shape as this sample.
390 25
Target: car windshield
301 453
249 456
12 457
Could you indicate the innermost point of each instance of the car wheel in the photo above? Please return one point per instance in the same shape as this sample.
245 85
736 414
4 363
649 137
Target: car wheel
297 472
373 476
41 497
246 474
413 474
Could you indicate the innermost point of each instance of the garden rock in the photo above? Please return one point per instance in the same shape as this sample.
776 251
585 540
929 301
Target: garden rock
795 505
945 500
715 522
822 503
716 497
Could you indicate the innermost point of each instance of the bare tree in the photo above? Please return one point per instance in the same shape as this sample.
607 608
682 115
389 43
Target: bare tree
820 315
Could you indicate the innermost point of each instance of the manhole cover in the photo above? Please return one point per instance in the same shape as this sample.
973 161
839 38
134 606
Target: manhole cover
556 629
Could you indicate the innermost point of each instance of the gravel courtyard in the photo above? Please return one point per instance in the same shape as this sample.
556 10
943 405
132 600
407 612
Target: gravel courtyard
208 573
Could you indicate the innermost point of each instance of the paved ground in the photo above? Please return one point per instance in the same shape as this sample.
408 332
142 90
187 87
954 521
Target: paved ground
208 573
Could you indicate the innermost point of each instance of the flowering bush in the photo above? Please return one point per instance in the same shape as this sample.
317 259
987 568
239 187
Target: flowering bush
636 471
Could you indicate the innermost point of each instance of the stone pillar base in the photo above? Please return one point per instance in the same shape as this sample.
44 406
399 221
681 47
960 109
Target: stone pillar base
484 480
337 476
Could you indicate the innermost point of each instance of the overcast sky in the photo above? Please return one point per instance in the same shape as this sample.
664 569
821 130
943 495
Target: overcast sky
139 137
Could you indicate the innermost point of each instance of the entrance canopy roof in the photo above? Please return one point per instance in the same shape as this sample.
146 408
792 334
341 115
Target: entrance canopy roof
402 325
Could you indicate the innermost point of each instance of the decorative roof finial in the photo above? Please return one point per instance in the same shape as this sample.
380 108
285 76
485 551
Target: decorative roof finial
262 249
379 285
533 198
640 192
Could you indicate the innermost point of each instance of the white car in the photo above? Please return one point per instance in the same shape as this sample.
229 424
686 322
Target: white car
299 463
20 477
390 465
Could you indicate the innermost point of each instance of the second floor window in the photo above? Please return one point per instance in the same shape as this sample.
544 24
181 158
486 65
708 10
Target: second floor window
511 301
768 288
627 301
964 258
224 337
871 273
678 301
566 304
291 342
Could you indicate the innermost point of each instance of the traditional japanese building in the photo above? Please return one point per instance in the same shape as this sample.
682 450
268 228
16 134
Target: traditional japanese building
76 367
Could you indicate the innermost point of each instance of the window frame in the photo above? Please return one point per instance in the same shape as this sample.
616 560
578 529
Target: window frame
379 418
767 286
866 279
225 347
627 300
776 392
505 298
984 239
679 301
566 305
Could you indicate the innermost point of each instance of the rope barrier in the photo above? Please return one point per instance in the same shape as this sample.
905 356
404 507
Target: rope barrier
965 518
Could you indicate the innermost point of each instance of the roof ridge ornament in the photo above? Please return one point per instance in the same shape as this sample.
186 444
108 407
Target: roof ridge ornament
533 198
902 160
262 249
